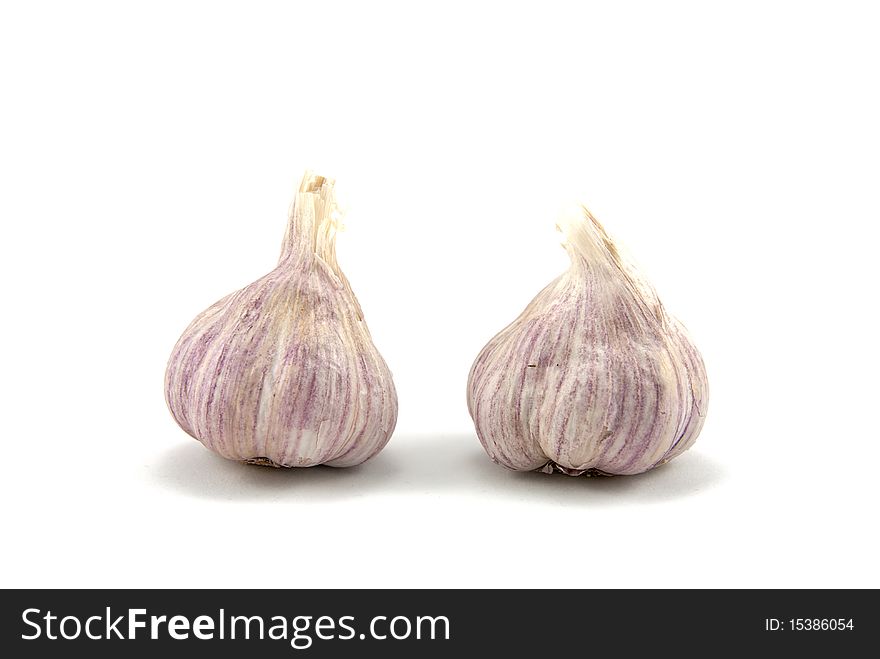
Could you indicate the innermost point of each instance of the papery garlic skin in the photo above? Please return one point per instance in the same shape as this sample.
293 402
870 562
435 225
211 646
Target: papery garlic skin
594 376
284 372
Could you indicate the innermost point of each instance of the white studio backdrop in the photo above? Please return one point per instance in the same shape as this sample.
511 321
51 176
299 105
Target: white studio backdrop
148 155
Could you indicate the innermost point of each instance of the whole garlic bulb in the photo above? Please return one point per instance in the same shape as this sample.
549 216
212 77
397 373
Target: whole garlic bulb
594 376
283 372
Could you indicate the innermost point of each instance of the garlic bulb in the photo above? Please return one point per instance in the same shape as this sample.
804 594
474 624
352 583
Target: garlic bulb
284 372
594 376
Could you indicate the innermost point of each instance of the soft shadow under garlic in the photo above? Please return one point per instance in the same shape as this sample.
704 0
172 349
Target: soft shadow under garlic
689 475
193 470
428 465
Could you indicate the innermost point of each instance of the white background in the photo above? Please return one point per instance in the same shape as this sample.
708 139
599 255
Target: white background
148 154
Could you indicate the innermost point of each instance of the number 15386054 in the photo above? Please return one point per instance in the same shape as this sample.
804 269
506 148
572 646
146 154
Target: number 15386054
808 624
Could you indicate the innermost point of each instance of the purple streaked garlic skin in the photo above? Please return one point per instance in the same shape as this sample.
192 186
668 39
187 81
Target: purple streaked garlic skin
284 372
594 377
